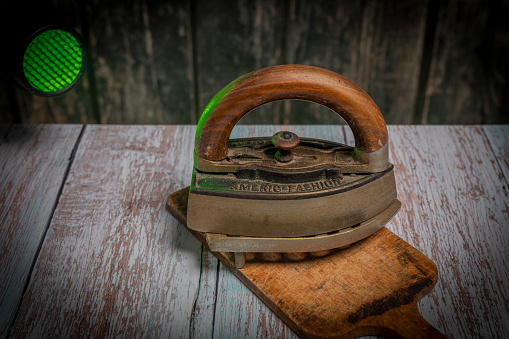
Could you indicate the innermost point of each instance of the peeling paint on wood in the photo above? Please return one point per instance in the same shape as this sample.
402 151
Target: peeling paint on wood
33 162
498 138
115 263
455 212
202 320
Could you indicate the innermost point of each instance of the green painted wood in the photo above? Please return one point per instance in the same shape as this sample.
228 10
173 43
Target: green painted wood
233 39
468 80
33 162
142 58
376 44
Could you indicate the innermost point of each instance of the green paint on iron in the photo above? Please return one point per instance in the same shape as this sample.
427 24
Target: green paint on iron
52 60
216 100
356 153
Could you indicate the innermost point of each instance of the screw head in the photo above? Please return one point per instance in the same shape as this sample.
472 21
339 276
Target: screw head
285 140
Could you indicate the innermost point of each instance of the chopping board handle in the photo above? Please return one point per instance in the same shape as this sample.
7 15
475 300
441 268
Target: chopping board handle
299 292
403 322
289 82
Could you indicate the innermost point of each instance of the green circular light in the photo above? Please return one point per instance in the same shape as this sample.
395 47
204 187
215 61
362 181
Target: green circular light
52 60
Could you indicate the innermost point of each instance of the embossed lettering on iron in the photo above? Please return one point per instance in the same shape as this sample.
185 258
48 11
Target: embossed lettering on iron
287 188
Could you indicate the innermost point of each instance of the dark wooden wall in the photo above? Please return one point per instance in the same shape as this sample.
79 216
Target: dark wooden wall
160 62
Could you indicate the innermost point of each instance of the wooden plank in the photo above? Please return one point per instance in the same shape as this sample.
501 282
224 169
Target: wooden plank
33 162
240 313
326 132
73 107
235 38
498 137
472 275
238 310
469 74
433 188
455 211
234 299
337 293
8 105
143 61
114 262
202 319
214 312
376 44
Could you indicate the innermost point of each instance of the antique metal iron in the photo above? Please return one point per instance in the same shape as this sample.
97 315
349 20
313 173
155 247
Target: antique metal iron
283 193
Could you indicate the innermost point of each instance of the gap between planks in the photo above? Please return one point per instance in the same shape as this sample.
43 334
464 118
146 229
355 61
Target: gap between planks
53 209
217 267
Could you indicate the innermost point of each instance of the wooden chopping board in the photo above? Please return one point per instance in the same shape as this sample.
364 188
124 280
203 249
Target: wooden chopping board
369 288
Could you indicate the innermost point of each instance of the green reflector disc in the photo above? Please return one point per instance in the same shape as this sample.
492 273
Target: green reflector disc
52 60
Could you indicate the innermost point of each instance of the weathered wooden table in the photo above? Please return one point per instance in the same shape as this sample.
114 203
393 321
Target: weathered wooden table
88 249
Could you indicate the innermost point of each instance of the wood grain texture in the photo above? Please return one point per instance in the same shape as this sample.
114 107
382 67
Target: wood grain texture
498 138
371 287
455 210
468 77
442 174
376 44
233 39
74 107
430 62
8 105
203 316
143 61
114 262
289 82
228 321
234 297
33 162
240 313
92 277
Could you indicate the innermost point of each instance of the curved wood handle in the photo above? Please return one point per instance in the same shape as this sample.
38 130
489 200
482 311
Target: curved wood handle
403 322
289 82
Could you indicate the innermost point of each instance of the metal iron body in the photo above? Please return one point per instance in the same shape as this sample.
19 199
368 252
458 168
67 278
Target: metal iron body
284 193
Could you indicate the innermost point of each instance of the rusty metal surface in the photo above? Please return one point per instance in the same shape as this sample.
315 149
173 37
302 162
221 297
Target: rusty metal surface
290 194
309 154
338 239
263 184
247 213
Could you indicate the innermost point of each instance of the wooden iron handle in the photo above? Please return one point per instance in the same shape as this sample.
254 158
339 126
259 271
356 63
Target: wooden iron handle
289 82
